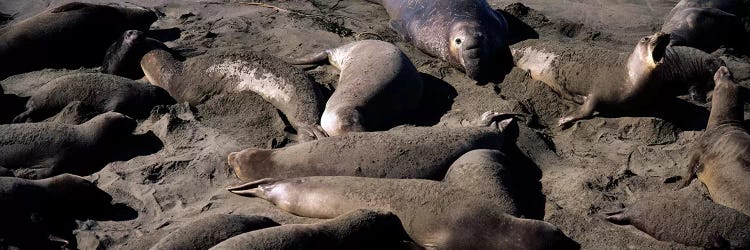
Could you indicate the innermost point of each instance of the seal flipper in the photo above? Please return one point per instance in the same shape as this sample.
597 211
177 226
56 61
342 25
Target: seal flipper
587 110
316 59
618 217
252 189
400 27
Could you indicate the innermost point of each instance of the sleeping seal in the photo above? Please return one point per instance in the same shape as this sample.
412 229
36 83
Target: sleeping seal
721 156
39 150
427 151
359 229
469 209
618 83
468 34
240 70
72 35
378 87
705 29
97 91
211 230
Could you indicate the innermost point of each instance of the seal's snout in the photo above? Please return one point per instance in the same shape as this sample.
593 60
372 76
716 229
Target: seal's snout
723 75
249 164
341 121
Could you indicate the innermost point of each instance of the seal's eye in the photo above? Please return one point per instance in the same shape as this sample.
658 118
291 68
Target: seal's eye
645 39
458 41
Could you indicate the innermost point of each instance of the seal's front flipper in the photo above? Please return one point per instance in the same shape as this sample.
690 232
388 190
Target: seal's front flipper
310 132
314 59
586 111
400 27
251 189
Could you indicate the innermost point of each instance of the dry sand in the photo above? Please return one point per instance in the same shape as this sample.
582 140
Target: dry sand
594 166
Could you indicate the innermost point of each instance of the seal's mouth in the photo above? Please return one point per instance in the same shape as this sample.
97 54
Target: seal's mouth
659 42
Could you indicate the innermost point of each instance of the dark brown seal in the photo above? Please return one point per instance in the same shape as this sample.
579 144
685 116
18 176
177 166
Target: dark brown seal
417 152
359 229
367 99
467 210
30 209
100 92
686 217
468 34
705 29
721 156
618 83
72 35
123 57
39 150
240 70
211 230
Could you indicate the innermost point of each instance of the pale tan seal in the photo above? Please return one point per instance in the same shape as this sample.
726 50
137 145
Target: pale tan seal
721 156
415 152
359 229
467 210
616 83
378 87
240 70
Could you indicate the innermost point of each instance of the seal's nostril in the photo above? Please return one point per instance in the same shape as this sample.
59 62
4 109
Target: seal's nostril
458 41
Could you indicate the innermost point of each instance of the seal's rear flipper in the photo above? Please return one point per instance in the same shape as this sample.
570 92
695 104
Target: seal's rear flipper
314 59
252 189
618 217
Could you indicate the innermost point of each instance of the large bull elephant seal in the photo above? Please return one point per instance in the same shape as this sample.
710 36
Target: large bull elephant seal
619 83
469 209
72 35
360 229
417 152
238 70
29 207
211 230
468 34
721 156
378 87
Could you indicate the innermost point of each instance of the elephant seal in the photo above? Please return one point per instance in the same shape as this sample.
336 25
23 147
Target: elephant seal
30 209
734 7
72 35
240 70
686 217
417 152
359 229
705 29
39 150
123 57
211 230
721 156
101 92
468 34
456 213
367 99
618 83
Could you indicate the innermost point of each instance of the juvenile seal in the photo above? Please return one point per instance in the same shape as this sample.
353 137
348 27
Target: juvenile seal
39 150
417 152
123 57
211 230
456 213
366 99
359 229
71 36
240 70
468 34
618 83
705 29
721 156
687 218
29 209
101 92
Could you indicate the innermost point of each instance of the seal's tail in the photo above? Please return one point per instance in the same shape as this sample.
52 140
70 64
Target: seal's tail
252 189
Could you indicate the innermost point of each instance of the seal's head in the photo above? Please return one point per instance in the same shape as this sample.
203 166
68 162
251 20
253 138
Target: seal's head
652 49
342 120
479 53
249 164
